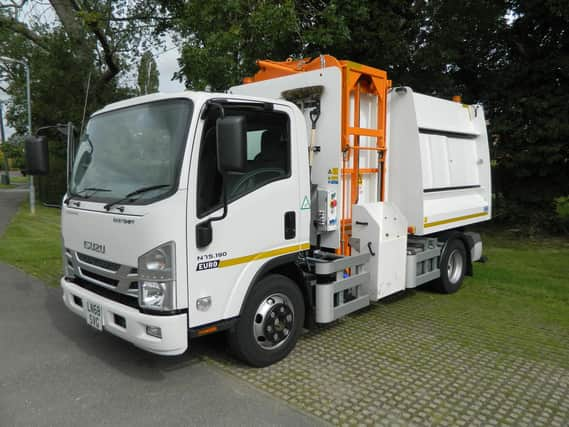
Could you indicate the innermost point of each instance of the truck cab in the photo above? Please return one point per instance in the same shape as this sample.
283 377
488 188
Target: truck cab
147 184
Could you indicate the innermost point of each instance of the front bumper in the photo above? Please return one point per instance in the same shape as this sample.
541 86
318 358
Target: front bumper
174 328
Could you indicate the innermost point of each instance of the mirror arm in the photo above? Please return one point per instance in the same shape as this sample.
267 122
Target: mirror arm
224 195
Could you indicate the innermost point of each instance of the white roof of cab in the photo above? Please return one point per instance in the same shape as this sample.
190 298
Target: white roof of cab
197 97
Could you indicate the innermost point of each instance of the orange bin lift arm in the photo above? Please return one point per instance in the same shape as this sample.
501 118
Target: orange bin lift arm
357 79
273 69
360 79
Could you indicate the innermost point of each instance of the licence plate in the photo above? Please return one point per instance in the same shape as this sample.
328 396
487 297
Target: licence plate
94 315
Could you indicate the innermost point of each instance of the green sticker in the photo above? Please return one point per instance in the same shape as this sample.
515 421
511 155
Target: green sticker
305 203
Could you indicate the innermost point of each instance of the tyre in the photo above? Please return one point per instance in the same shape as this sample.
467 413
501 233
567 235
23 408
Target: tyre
453 267
270 322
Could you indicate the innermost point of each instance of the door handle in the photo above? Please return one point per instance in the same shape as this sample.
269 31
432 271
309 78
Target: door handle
289 225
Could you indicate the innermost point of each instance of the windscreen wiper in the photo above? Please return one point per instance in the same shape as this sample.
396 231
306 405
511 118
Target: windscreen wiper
93 189
129 196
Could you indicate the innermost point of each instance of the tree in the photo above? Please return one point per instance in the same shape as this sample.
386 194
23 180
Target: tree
90 43
147 74
530 111
510 55
13 149
459 48
381 34
223 39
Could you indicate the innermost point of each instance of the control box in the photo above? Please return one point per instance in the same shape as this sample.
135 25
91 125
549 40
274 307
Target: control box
326 215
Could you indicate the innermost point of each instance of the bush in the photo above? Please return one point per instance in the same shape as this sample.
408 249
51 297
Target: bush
562 210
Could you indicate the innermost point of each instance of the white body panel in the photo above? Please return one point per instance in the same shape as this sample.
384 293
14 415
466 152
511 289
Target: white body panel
384 227
250 235
438 161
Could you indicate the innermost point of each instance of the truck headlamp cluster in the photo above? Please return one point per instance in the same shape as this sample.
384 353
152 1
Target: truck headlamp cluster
157 272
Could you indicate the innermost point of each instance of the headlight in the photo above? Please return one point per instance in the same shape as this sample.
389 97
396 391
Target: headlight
157 273
152 294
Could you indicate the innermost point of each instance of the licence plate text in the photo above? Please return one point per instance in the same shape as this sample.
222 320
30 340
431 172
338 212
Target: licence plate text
94 315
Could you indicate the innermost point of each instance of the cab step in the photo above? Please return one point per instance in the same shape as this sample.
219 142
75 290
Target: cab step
341 284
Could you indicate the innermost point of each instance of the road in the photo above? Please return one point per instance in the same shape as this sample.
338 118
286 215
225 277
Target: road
57 371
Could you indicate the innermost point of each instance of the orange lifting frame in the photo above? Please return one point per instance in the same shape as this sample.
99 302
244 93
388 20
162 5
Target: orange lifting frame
356 79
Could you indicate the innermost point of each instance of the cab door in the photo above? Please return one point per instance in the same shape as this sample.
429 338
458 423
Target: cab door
263 207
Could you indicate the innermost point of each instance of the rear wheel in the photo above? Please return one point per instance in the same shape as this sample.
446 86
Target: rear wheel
452 266
270 323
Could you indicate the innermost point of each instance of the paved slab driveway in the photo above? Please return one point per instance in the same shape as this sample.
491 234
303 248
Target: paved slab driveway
390 365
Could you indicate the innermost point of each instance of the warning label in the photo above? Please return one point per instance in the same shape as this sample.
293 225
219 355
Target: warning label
333 176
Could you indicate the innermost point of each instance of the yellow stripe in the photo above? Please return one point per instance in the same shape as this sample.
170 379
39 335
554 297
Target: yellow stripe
260 255
458 218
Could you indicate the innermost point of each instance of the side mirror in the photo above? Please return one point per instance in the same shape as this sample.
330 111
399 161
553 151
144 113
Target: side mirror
37 155
231 144
204 234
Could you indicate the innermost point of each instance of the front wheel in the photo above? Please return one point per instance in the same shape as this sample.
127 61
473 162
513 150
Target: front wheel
270 323
453 267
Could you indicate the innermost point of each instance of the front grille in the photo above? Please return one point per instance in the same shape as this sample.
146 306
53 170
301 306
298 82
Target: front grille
106 293
117 278
107 265
99 278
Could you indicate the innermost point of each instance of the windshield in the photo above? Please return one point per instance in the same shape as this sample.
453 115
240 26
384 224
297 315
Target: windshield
130 149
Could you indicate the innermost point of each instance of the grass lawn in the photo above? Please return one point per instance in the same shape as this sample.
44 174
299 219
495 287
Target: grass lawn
517 302
4 186
32 243
19 179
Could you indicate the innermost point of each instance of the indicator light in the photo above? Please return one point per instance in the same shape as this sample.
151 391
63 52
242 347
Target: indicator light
209 330
203 304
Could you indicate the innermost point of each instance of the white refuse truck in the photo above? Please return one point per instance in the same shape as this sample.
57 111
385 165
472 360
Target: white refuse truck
299 197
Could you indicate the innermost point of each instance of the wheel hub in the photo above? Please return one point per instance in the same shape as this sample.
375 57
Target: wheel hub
455 266
273 322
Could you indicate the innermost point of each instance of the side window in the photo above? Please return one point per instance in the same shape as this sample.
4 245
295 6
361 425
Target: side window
268 158
254 143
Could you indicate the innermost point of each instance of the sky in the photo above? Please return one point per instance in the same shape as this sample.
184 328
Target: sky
167 66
